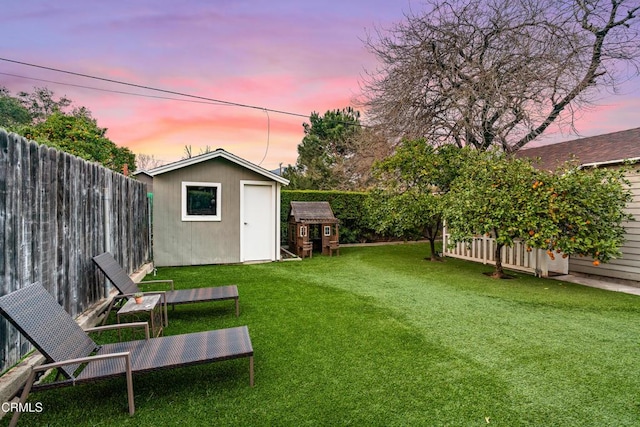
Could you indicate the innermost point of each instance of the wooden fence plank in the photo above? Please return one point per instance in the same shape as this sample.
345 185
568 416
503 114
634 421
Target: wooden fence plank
5 286
53 220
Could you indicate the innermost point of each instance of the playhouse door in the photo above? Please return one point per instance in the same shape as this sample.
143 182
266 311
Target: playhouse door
258 222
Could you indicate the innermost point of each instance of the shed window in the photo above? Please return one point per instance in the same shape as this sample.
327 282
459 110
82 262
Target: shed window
201 201
327 230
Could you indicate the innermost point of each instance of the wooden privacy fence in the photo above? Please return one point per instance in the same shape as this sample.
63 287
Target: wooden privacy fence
57 211
482 249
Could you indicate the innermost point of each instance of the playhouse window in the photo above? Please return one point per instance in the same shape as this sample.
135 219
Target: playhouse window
327 230
201 201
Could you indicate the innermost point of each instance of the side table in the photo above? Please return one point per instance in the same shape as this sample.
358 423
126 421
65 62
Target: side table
150 304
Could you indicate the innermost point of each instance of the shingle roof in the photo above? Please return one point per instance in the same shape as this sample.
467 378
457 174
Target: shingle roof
219 153
312 212
609 148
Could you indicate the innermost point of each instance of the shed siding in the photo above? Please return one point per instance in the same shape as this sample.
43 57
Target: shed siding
146 179
628 266
178 242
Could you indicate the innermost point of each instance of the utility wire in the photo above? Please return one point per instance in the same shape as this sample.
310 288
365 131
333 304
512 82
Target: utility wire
236 104
111 90
268 134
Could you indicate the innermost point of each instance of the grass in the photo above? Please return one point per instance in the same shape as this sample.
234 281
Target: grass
378 336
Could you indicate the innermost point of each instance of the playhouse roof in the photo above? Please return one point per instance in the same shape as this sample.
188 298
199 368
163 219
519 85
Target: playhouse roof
219 153
312 212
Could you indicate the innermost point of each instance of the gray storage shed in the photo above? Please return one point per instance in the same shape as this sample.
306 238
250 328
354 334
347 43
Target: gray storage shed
216 208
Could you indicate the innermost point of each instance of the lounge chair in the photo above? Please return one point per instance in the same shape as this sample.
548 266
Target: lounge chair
39 317
127 287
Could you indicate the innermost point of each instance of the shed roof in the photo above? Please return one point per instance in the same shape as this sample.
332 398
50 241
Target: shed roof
142 172
312 212
219 153
610 148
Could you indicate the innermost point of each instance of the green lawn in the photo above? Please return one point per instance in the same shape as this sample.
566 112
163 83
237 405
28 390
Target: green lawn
379 336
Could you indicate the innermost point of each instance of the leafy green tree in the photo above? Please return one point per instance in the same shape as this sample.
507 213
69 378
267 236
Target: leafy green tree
585 212
80 135
41 103
408 200
570 211
328 142
12 113
296 177
42 117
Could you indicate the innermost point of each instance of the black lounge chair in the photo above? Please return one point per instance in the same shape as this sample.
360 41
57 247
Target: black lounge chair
38 316
127 287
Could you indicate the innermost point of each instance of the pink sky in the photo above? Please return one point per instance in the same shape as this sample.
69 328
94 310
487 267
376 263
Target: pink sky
284 55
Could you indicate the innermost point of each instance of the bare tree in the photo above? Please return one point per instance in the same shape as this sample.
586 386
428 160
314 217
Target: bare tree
498 72
188 151
147 162
369 146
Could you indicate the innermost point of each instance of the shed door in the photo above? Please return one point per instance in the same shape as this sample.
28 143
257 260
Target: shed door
258 222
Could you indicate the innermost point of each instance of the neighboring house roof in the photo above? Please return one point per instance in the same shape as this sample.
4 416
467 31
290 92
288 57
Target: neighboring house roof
142 172
219 153
312 212
610 148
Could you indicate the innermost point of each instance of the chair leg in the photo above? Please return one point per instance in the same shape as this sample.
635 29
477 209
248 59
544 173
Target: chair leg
132 405
251 371
23 397
166 315
108 311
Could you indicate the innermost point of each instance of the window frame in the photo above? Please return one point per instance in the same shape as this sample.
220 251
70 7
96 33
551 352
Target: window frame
203 218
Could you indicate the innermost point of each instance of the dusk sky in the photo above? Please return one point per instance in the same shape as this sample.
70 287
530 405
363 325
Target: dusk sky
288 55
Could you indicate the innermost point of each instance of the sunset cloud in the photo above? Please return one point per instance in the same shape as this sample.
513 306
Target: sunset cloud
286 55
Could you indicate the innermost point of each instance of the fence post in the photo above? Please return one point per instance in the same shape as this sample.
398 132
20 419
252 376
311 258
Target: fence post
107 215
544 264
485 249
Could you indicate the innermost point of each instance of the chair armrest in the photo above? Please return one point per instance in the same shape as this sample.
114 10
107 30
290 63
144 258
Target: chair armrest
126 355
155 292
159 281
144 325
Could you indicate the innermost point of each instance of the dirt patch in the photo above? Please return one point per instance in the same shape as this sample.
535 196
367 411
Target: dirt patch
501 276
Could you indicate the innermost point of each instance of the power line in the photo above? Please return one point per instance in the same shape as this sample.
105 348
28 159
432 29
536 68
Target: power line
111 90
203 99
236 104
208 100
268 135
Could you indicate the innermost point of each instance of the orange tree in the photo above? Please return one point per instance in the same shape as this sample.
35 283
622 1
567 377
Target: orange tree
410 184
585 212
41 117
569 211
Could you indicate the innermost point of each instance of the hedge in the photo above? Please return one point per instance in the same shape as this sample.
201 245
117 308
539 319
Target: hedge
347 206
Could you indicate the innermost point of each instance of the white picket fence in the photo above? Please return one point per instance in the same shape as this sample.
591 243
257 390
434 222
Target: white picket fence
482 249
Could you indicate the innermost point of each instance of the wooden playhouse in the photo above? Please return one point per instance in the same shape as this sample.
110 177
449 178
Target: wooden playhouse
312 226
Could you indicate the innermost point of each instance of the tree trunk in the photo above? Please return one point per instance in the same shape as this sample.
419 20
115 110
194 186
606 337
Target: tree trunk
432 235
432 246
498 273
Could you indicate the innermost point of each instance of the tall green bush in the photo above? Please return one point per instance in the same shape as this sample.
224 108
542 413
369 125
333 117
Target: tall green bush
348 206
